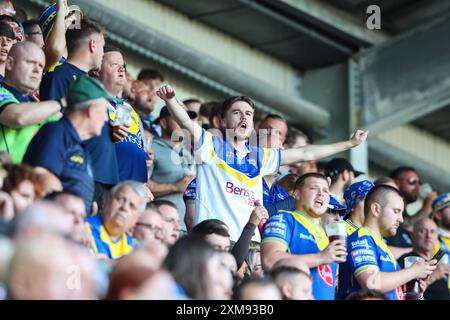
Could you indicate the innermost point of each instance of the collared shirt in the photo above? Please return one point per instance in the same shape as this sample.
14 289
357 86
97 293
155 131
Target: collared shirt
351 226
366 251
57 147
299 234
227 186
102 243
56 82
15 140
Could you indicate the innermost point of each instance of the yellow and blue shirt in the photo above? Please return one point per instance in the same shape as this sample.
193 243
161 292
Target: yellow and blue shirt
351 227
102 243
227 184
444 243
366 251
298 234
130 152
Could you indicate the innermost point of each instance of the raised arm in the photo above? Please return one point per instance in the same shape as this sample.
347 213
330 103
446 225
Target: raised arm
316 152
25 114
180 115
55 45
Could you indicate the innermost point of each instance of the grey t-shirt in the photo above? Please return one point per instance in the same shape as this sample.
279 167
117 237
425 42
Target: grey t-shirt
167 168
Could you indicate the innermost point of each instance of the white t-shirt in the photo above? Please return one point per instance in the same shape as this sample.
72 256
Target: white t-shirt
227 186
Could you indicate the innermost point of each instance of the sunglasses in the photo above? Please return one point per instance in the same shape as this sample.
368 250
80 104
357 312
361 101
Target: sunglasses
413 181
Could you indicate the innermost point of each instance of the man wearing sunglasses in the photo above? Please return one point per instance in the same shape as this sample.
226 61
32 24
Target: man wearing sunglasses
408 183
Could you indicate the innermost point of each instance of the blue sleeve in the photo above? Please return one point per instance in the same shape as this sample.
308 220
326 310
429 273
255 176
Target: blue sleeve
46 150
54 87
191 191
279 229
287 204
362 255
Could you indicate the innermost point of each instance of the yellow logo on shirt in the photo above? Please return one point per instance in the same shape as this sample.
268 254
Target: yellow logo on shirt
77 159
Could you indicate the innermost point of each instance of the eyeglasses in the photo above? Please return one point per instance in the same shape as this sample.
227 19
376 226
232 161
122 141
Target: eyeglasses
413 181
151 227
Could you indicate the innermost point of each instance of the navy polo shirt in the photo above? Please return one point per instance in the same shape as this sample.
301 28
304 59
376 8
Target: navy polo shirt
56 82
57 147
102 153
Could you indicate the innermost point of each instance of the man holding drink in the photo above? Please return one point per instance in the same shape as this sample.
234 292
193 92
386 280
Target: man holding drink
300 233
370 264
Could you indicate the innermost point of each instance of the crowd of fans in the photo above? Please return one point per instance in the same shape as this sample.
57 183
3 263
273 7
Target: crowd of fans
102 199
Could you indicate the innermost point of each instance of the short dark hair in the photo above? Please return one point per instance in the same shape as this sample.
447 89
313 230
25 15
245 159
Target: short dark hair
6 18
161 202
282 272
76 37
292 135
211 226
29 24
383 180
226 105
215 110
146 74
6 30
193 100
400 171
111 48
274 116
301 181
262 282
378 194
365 294
52 196
21 15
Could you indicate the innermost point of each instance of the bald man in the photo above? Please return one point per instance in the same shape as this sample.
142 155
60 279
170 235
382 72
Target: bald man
20 115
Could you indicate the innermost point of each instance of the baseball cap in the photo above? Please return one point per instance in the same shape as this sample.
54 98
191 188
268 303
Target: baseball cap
165 113
86 88
338 165
355 193
335 205
441 202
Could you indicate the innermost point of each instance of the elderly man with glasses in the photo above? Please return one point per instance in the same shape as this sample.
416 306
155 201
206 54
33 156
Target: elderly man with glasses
150 226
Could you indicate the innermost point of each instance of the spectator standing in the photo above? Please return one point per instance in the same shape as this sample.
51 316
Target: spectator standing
85 47
231 170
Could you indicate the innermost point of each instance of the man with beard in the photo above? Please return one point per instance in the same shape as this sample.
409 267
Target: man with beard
230 169
168 178
370 264
299 235
408 182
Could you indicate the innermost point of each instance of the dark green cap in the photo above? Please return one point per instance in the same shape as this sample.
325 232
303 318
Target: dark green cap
86 88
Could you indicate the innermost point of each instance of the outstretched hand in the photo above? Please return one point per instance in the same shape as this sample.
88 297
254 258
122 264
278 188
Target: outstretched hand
166 93
359 137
